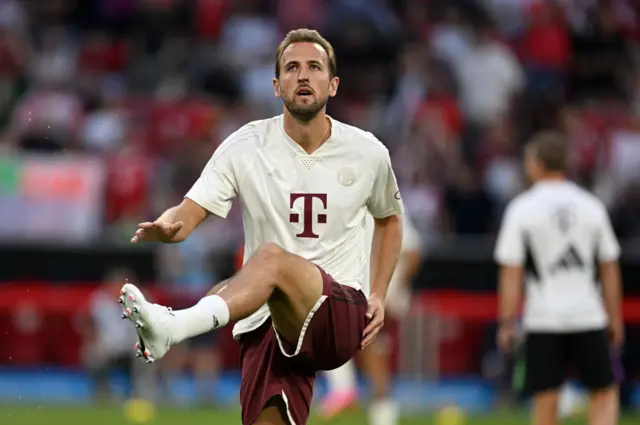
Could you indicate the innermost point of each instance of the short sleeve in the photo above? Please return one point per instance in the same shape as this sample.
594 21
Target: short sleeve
218 184
385 195
608 246
510 250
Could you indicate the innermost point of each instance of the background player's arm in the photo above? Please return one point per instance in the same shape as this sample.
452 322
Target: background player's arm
608 255
611 289
509 293
412 260
509 255
411 252
213 192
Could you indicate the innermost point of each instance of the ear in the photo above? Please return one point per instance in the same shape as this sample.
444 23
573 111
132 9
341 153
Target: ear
333 86
276 88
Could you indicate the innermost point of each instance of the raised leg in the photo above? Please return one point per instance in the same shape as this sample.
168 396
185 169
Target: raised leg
290 285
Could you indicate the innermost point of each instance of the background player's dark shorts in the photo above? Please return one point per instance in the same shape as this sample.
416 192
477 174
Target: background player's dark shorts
549 355
331 339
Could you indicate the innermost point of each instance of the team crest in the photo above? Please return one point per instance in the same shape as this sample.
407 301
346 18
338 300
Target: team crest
346 176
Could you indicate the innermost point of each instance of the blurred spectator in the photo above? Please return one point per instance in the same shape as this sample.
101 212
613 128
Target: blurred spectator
146 90
441 83
545 49
490 78
468 206
107 339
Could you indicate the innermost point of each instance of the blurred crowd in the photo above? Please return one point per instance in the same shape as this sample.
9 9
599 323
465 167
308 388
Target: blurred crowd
452 87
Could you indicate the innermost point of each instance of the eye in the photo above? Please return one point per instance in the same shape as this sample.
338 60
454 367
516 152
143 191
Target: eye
315 67
292 67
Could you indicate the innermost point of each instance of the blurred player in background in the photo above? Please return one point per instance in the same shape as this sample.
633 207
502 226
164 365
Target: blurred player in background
375 359
306 182
107 340
558 238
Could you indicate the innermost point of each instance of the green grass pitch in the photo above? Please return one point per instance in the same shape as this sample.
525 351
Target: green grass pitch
50 415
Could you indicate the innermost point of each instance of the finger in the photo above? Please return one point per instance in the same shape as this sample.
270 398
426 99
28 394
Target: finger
371 311
503 343
161 225
146 225
369 338
138 236
375 323
175 227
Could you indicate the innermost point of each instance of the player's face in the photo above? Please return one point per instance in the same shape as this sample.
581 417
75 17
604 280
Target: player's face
305 84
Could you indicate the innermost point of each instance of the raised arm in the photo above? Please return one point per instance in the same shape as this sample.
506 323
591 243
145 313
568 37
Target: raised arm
213 193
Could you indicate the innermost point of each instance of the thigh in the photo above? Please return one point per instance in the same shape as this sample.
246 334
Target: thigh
268 375
299 291
591 354
544 362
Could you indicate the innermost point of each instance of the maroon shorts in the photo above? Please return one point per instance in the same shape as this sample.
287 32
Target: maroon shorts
331 338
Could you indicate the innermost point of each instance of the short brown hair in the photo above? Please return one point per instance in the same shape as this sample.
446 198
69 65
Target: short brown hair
551 150
305 35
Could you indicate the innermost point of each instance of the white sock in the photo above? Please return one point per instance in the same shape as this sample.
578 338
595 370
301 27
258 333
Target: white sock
208 314
342 379
383 412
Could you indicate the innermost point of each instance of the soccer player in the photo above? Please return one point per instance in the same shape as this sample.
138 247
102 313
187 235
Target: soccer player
306 183
375 359
558 237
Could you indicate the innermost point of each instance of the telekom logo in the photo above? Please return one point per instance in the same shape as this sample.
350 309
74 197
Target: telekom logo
307 217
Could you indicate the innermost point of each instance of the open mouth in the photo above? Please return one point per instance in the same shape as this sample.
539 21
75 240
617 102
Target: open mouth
303 91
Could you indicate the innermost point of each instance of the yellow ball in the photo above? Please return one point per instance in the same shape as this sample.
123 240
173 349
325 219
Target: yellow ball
139 411
450 415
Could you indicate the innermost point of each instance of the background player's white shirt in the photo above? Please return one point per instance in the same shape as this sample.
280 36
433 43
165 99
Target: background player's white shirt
559 233
398 294
311 205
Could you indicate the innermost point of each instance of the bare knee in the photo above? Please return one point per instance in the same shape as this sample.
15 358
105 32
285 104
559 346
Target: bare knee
604 407
545 408
269 258
604 395
547 399
269 253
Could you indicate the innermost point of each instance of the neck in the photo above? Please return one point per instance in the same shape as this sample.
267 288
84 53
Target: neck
309 135
552 177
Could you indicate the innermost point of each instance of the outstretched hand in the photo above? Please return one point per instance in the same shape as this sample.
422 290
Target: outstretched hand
375 314
157 231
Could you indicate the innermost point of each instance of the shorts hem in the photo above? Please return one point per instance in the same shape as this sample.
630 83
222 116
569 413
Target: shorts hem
286 407
303 331
275 393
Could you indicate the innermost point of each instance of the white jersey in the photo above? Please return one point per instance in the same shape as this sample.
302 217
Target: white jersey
313 205
397 294
560 233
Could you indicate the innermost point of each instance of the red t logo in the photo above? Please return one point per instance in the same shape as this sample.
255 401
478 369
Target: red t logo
307 217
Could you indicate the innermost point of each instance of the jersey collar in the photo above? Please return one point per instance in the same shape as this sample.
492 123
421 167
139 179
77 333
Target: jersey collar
298 149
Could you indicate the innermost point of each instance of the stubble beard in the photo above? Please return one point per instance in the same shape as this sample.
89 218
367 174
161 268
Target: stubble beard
304 113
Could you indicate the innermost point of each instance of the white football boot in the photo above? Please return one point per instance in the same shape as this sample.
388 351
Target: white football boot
152 323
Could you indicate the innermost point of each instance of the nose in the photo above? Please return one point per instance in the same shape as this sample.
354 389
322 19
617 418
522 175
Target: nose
303 76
